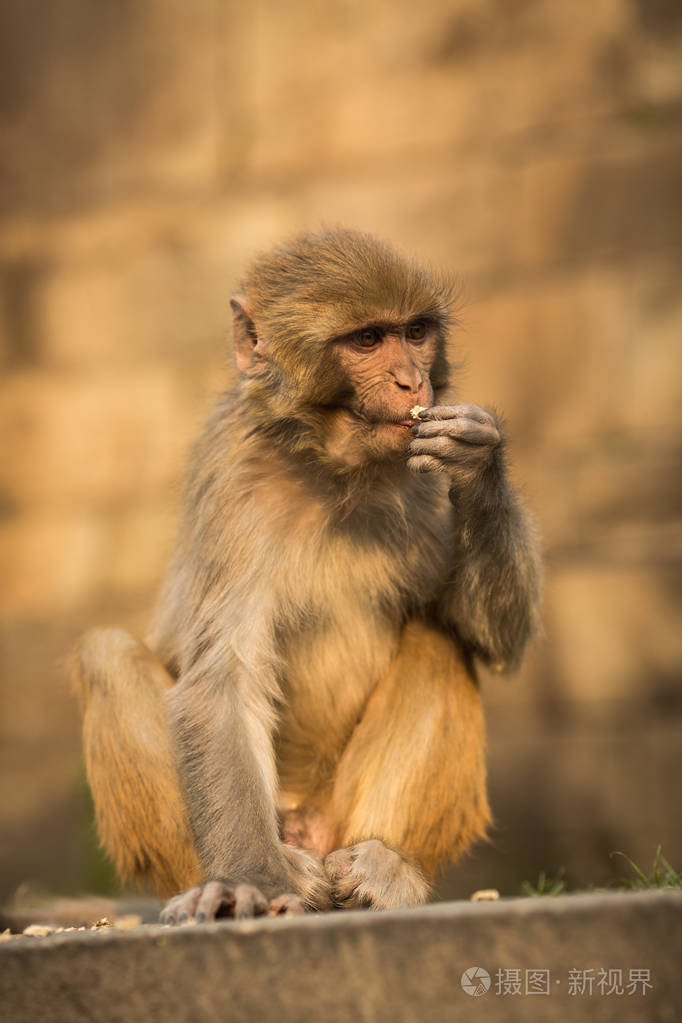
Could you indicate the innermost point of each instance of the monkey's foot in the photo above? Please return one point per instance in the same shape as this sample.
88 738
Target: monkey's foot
309 877
371 875
216 899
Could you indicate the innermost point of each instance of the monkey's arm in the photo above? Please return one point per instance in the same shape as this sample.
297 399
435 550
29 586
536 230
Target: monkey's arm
492 595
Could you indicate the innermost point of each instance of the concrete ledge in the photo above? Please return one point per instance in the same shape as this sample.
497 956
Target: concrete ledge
397 966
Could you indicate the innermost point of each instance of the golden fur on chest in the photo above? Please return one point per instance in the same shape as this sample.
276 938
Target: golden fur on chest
338 639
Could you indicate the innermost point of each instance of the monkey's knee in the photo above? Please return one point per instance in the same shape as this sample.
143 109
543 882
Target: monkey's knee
94 658
107 660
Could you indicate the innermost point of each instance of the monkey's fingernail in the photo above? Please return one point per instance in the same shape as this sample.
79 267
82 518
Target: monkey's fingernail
182 917
201 917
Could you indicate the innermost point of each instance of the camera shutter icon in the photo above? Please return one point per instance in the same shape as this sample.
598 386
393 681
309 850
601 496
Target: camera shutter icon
475 981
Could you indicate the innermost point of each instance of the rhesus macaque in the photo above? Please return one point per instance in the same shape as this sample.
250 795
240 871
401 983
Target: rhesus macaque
303 728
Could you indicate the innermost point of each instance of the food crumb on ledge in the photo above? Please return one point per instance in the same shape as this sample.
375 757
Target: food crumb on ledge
485 895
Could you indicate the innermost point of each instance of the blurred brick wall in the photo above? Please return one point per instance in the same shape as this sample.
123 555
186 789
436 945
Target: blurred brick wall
147 149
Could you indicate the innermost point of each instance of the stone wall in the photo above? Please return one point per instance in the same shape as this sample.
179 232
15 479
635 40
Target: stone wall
147 149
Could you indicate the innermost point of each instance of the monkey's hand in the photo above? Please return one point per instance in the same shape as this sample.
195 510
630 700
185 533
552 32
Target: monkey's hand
219 899
460 440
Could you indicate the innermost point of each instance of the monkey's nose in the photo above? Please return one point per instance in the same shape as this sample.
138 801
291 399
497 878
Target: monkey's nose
407 379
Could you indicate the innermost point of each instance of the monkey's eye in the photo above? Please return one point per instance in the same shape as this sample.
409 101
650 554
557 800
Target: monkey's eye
416 331
366 338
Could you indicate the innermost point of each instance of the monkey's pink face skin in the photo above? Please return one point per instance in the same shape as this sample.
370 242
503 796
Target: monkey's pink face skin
388 368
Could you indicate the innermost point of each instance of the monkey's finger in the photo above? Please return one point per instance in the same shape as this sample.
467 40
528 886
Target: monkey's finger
214 897
438 447
351 891
338 864
425 463
347 893
339 867
181 907
285 905
449 449
474 412
467 431
249 901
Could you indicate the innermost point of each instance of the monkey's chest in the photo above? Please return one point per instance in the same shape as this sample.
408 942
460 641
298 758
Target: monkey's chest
351 612
328 672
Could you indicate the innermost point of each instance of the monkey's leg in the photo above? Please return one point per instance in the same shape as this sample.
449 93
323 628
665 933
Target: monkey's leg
139 808
412 777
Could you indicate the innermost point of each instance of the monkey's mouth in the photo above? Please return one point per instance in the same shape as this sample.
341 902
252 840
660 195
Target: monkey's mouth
397 427
403 424
374 421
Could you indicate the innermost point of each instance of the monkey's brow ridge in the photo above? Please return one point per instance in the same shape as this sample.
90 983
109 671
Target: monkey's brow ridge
386 326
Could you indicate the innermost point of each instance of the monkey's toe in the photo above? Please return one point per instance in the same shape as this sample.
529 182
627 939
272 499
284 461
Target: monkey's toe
213 900
181 908
285 905
249 901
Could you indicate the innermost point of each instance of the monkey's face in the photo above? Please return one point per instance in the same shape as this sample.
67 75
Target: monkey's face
386 371
339 337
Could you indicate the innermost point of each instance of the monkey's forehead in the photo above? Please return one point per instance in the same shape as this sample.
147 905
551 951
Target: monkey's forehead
341 280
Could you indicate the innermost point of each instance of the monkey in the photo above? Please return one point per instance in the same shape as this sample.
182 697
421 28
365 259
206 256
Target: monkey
303 729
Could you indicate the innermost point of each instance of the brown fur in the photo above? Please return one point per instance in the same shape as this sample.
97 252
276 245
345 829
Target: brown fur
140 813
413 772
307 653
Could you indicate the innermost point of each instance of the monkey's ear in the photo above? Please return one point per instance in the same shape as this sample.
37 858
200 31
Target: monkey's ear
248 349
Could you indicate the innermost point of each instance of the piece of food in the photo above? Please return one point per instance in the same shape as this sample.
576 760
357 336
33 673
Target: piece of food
485 895
38 930
127 922
416 411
